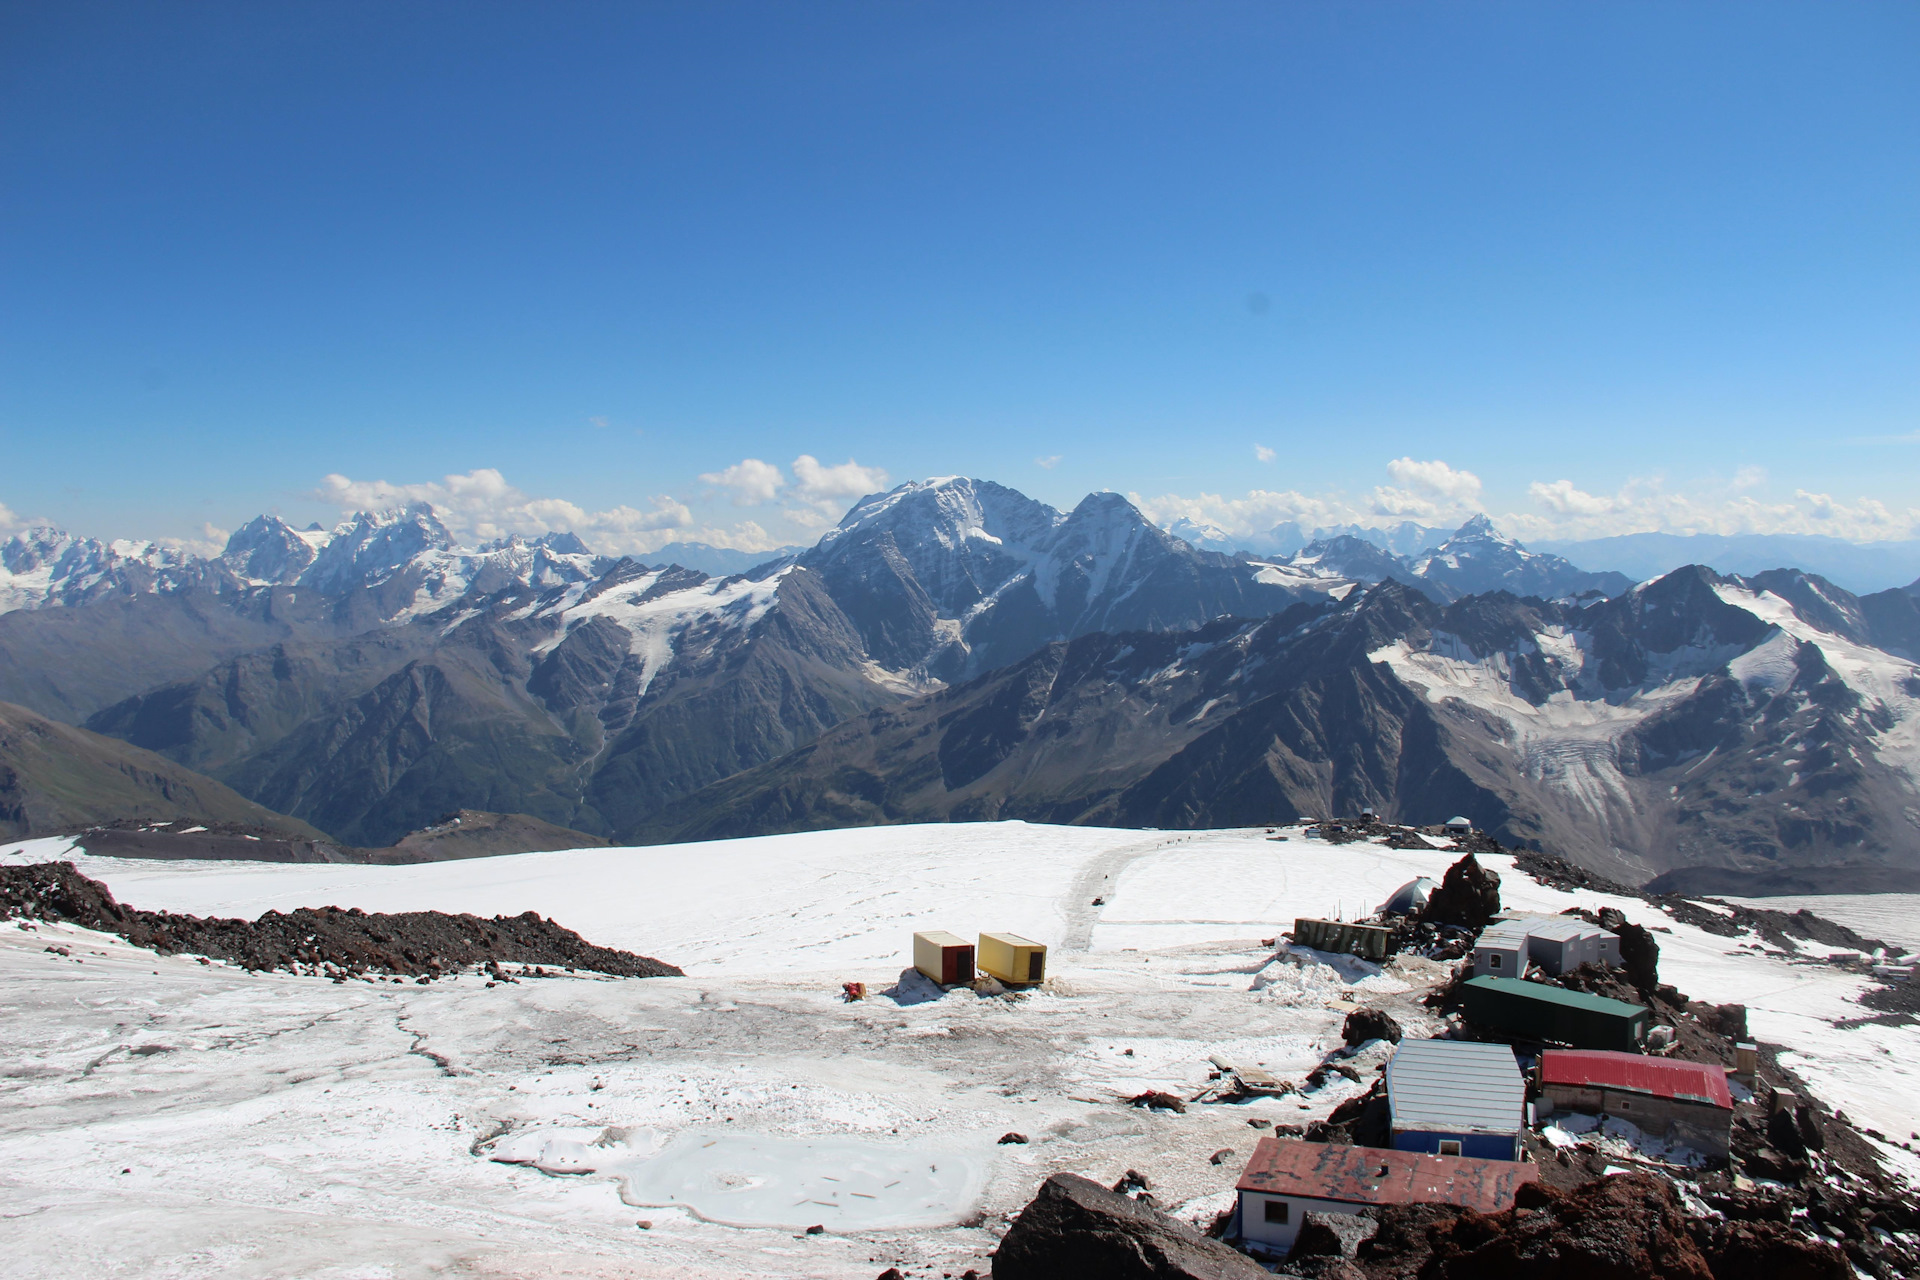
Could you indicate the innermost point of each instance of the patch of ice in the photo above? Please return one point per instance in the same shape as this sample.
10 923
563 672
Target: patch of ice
843 1184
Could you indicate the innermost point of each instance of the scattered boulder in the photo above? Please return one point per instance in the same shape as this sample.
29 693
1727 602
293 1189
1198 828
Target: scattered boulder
1363 1025
1221 1156
1132 1180
1468 896
1335 1235
1076 1229
1157 1101
1013 1139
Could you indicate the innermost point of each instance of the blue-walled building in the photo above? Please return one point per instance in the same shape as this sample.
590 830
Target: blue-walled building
1456 1098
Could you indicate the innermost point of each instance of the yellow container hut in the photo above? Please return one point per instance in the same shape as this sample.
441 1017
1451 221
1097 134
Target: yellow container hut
943 957
1012 958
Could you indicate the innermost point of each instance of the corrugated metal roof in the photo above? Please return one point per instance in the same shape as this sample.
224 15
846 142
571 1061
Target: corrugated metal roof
1373 1175
1505 934
1637 1073
1455 1086
1563 930
1549 994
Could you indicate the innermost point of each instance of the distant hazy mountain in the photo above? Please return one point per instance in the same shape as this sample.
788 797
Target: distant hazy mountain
1857 566
1287 537
1475 558
717 562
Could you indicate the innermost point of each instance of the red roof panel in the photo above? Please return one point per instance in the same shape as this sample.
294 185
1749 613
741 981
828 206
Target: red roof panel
1637 1073
1375 1175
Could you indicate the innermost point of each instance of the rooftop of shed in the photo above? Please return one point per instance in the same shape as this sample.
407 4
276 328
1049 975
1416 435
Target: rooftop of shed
1373 1175
1548 994
1455 1086
1637 1073
1560 930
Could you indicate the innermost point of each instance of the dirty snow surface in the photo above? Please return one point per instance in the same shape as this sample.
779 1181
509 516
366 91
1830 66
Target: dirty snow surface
164 1117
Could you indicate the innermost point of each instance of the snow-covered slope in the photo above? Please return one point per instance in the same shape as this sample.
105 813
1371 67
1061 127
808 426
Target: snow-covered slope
276 1125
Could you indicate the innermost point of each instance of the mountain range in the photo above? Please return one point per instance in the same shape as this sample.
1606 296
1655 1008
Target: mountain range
953 649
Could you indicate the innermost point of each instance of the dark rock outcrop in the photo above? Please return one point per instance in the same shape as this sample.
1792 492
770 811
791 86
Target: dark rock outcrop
1639 953
1076 1229
1750 1250
1627 1227
1469 896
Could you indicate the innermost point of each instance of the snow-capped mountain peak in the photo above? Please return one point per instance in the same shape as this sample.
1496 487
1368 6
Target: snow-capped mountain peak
43 567
268 550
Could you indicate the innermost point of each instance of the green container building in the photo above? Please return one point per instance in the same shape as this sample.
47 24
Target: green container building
1536 1011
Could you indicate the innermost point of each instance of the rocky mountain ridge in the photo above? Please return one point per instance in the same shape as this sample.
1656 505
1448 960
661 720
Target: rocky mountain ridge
954 649
1697 722
376 675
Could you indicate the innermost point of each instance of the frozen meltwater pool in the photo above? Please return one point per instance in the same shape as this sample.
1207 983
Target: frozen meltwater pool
842 1184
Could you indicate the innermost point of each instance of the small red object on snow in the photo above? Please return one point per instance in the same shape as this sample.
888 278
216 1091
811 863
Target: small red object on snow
851 991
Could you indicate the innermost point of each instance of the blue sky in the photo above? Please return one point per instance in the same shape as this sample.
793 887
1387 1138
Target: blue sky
1590 267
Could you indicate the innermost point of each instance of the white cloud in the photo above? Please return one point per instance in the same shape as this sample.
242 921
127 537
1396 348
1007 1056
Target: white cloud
810 518
481 506
752 481
1562 498
747 535
211 542
1263 453
1647 506
1435 493
7 519
1049 462
817 483
1254 515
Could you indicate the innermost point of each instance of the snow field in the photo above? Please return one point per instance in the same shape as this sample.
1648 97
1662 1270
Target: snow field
281 1111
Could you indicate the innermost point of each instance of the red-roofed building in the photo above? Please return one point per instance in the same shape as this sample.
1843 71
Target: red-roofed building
1685 1102
1287 1178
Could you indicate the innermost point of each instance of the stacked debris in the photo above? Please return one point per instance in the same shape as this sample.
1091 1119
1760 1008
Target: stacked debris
325 942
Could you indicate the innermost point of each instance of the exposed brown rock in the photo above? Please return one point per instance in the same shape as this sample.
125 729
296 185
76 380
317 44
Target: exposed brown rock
329 941
1076 1229
1363 1025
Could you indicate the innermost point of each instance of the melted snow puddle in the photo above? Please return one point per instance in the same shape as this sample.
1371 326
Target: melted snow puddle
842 1184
